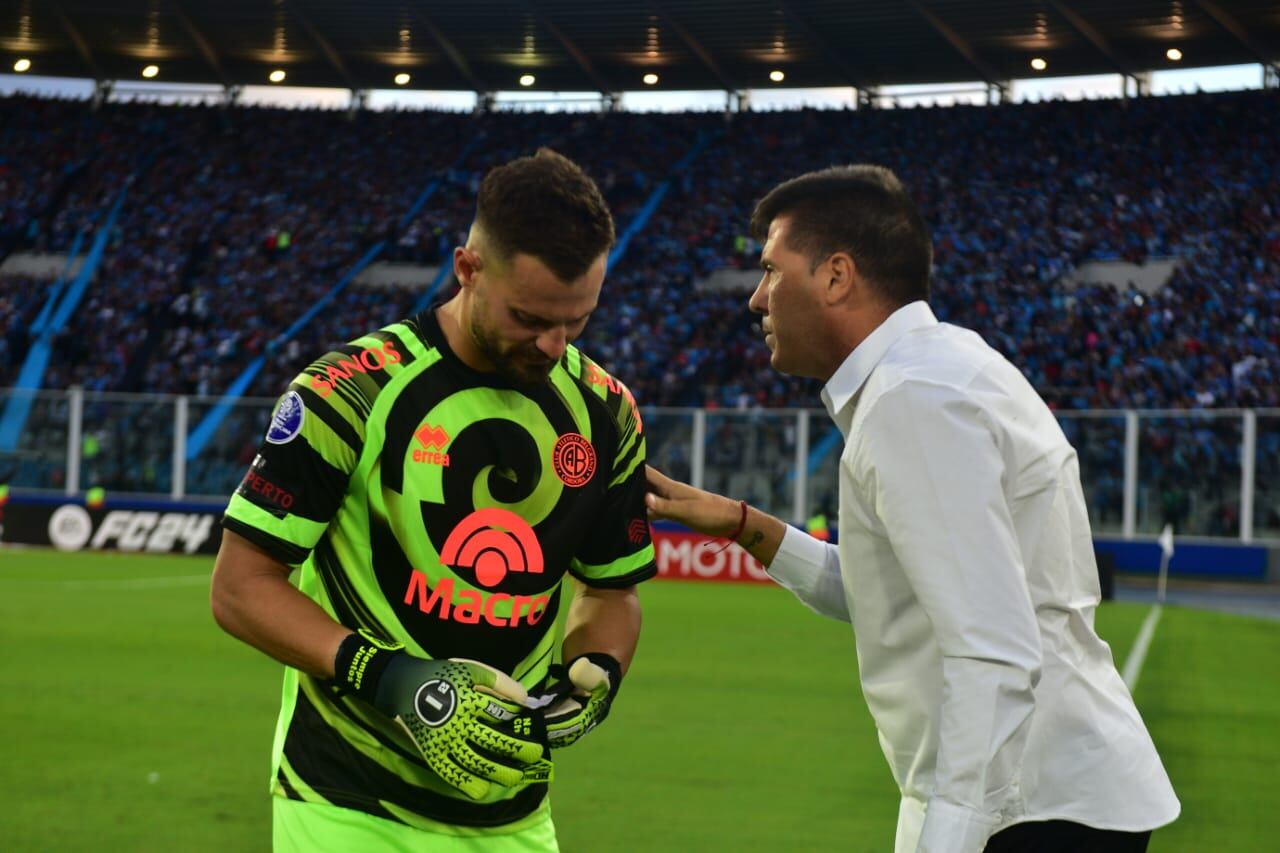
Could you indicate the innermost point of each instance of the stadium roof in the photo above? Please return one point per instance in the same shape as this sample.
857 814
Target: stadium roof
609 45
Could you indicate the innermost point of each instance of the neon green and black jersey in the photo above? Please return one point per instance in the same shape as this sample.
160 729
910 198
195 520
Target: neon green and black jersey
442 508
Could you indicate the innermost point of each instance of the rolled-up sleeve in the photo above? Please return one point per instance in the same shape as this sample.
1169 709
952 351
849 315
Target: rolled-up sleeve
931 462
810 568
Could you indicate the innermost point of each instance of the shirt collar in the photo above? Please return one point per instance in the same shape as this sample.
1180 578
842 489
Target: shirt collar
849 378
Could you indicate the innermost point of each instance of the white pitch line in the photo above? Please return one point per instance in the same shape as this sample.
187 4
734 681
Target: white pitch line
1138 654
139 583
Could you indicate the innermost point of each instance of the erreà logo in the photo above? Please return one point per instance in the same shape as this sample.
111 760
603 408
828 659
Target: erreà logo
492 542
432 437
433 440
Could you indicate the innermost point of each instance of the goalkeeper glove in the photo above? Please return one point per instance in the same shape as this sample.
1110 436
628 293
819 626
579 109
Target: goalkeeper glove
466 719
580 698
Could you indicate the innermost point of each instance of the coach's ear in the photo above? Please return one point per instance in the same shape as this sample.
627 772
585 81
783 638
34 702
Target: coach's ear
840 276
466 264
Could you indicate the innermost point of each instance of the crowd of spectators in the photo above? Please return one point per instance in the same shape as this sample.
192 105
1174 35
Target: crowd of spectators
1018 198
45 145
21 299
235 221
627 154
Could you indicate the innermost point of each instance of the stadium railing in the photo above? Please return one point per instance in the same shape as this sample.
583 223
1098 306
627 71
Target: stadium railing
1211 473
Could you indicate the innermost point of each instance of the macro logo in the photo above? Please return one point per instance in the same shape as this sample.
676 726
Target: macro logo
347 366
492 543
432 440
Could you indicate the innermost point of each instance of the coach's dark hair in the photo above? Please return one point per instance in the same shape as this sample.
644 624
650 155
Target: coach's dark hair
863 210
547 207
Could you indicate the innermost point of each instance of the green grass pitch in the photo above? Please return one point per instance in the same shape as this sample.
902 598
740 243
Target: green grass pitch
132 723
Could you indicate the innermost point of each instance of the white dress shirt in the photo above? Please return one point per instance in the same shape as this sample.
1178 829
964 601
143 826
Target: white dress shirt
965 564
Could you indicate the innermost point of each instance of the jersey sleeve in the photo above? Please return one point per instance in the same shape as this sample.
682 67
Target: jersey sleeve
618 552
299 477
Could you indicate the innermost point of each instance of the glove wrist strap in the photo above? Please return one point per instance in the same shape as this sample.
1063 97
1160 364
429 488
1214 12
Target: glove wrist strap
360 663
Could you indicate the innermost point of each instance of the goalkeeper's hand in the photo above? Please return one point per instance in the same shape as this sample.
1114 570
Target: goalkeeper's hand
467 719
579 697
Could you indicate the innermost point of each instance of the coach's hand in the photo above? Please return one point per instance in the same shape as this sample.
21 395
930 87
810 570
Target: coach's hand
467 719
714 515
579 697
705 512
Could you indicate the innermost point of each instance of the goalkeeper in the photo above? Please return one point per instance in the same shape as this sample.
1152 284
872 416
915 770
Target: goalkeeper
463 492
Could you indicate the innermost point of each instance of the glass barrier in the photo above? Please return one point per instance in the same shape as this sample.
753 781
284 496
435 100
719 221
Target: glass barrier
1266 477
1188 462
751 456
668 439
825 446
127 443
1099 444
39 458
1189 473
224 459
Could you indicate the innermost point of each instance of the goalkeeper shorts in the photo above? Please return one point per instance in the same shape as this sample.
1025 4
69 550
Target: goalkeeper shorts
299 827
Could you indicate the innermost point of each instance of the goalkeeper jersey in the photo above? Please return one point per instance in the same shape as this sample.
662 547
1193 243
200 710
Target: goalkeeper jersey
442 508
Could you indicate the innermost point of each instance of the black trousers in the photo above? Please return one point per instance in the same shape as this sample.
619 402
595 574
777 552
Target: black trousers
1063 836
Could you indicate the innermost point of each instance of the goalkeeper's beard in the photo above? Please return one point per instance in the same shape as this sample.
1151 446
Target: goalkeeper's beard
521 364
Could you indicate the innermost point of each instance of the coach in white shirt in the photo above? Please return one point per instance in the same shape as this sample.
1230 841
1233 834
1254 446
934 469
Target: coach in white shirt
965 561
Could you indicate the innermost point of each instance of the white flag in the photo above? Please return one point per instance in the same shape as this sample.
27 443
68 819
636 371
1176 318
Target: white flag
1166 540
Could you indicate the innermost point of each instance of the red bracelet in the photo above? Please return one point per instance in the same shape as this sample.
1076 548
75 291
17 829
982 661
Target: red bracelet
737 531
742 523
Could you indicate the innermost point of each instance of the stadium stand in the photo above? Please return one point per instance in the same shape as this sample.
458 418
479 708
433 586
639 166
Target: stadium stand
240 221
236 220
